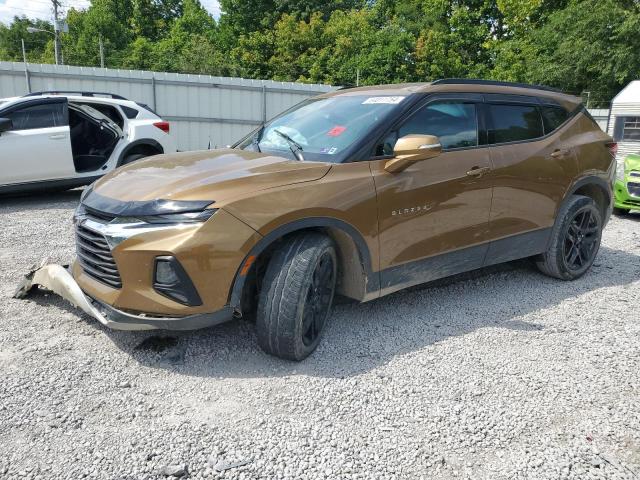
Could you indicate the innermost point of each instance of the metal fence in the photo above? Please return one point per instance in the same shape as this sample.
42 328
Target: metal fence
202 109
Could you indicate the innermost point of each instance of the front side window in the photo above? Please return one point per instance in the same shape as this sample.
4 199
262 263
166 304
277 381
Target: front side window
323 128
514 123
37 116
454 123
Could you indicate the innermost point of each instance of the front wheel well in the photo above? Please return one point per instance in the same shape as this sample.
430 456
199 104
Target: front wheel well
352 272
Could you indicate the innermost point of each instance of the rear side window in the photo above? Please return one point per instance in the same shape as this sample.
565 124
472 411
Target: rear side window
553 117
46 115
129 112
108 111
514 123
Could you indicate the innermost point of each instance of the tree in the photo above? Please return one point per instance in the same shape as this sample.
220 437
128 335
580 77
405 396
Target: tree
103 18
246 16
575 51
38 45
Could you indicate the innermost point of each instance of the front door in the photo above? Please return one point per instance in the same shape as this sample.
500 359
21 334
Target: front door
433 217
38 147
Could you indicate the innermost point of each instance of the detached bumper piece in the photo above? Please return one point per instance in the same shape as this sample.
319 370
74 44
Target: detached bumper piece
57 279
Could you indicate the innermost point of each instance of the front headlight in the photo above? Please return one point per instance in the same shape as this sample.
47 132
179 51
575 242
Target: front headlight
134 218
620 169
173 218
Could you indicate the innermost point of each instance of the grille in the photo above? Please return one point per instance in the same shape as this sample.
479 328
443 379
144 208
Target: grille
634 173
95 257
634 188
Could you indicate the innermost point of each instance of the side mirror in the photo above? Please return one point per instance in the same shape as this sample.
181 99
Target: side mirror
5 124
411 149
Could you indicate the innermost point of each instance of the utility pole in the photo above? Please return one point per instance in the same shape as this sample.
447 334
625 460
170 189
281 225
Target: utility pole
24 52
26 69
56 30
101 51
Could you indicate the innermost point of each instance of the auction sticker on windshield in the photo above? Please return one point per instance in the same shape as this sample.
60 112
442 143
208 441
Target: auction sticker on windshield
390 100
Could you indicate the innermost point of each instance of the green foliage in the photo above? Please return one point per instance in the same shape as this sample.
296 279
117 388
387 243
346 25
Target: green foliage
576 45
37 44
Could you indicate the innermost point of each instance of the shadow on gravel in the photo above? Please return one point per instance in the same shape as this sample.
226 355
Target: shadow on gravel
39 201
361 337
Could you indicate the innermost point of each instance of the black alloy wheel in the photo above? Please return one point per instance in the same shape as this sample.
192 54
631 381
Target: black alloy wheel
581 239
318 301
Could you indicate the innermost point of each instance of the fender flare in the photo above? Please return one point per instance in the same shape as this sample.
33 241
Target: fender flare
589 180
373 280
150 142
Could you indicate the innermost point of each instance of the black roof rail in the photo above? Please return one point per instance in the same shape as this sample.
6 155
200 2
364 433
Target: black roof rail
477 81
82 94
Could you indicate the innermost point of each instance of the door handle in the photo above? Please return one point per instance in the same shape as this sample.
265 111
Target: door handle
58 136
478 171
561 153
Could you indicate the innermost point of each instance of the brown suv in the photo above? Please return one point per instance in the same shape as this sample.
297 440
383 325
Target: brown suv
358 192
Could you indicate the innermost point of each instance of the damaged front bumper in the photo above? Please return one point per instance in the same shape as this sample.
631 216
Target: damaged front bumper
59 280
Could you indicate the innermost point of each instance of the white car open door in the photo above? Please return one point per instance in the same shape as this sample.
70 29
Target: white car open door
38 145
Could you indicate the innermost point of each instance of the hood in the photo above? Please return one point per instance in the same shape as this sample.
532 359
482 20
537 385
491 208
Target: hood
214 175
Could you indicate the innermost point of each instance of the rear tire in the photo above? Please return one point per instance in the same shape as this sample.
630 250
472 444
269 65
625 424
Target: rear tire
296 296
575 240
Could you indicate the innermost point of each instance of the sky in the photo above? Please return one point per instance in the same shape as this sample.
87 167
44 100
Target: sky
42 8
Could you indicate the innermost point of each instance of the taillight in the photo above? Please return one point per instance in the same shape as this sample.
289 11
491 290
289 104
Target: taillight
613 148
164 126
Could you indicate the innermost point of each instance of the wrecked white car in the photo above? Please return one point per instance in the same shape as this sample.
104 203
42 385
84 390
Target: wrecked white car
56 140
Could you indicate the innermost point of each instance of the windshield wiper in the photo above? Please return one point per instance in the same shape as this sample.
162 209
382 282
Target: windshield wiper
295 147
256 140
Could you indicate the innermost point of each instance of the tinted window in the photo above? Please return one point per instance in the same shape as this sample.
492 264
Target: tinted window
512 123
553 117
454 123
37 116
129 112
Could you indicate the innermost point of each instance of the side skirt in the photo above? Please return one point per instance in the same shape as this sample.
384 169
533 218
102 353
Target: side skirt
44 185
433 268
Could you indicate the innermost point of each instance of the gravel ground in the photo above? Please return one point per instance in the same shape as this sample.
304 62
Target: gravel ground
501 374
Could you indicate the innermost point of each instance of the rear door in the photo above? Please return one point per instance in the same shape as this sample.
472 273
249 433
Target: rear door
38 147
533 165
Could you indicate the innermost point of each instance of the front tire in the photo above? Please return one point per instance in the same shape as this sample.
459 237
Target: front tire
575 240
296 296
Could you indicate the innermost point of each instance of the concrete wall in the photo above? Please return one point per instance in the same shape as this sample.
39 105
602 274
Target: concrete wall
201 108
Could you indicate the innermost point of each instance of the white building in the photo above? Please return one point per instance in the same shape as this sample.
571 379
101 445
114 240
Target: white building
624 119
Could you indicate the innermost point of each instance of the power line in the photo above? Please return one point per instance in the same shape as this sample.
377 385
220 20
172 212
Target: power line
11 7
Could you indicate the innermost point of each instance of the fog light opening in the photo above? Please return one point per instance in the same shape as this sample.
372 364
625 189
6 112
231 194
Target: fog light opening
165 274
171 280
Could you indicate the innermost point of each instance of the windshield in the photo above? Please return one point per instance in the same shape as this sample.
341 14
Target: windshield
321 129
